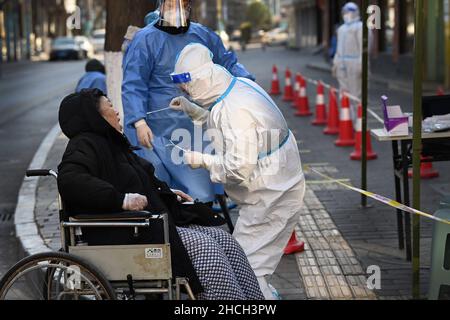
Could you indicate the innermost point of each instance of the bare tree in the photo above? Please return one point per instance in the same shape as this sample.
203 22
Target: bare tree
120 15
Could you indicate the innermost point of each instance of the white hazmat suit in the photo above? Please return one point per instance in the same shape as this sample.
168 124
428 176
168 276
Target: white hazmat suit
348 59
256 156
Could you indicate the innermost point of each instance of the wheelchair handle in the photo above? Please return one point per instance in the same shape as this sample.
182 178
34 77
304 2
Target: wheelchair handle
41 173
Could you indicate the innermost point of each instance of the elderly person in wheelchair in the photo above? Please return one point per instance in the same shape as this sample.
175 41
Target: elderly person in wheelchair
100 173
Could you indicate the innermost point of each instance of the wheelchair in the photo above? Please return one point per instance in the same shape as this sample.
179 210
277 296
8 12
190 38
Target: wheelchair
91 266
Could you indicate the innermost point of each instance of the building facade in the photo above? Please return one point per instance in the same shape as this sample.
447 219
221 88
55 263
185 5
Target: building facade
312 23
15 29
28 26
304 23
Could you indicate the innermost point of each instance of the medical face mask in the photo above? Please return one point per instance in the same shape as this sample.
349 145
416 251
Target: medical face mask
198 92
348 17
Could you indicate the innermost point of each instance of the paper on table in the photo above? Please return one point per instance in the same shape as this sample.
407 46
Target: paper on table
395 112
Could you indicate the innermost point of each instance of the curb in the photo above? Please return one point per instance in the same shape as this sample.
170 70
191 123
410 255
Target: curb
24 220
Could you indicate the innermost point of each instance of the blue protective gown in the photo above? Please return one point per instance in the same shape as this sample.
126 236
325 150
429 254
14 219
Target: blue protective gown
147 86
92 80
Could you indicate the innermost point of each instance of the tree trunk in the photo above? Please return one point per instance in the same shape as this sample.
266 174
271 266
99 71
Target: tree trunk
120 15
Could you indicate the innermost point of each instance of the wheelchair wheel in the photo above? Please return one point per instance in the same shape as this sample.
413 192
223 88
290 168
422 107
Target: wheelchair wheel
54 276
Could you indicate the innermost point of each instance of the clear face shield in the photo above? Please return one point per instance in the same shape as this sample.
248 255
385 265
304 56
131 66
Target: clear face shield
174 13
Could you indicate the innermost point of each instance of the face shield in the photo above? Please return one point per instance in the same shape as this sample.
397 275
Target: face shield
174 13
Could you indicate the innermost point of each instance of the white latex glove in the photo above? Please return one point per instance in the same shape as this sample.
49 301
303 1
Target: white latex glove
144 134
134 202
194 159
195 112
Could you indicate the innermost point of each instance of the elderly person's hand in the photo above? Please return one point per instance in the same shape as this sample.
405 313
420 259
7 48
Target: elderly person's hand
183 197
134 202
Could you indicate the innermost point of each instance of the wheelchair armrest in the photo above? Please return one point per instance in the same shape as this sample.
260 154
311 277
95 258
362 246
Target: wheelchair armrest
41 173
121 216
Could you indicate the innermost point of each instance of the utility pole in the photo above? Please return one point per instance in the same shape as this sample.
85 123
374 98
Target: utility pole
417 141
365 94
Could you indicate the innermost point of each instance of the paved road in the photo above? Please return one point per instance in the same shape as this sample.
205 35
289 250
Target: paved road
30 96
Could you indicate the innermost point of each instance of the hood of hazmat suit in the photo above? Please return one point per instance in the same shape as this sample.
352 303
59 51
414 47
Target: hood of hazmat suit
350 12
152 17
255 155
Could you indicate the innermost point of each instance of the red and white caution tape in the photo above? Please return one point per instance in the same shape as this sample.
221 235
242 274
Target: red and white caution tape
379 198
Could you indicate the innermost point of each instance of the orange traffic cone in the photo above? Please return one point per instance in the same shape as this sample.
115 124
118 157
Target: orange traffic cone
357 154
303 107
275 82
296 101
321 108
427 171
294 246
346 132
333 117
288 90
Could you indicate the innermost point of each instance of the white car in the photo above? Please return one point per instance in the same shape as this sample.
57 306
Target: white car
86 46
278 36
98 40
64 48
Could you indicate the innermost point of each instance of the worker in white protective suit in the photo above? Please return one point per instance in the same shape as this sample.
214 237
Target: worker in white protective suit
256 156
347 65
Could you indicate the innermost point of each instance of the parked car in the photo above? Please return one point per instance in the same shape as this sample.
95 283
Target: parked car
276 37
98 40
236 35
86 46
65 48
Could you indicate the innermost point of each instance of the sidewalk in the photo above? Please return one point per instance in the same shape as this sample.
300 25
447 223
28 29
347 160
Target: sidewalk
372 232
328 269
